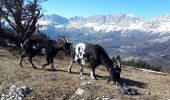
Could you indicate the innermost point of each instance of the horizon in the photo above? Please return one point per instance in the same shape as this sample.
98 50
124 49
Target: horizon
84 8
112 14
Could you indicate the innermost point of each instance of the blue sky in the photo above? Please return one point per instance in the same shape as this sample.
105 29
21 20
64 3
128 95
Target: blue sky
85 8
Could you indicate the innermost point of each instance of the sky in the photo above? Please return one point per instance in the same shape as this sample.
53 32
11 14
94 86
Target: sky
142 8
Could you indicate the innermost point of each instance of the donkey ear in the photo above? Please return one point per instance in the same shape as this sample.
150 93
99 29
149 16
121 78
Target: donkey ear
118 63
66 39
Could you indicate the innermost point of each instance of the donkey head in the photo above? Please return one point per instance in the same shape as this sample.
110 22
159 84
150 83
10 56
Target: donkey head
116 71
66 46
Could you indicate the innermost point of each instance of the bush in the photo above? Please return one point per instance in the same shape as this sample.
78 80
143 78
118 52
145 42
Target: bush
142 64
166 57
165 69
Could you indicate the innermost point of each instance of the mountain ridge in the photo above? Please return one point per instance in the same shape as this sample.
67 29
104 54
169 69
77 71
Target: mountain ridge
116 22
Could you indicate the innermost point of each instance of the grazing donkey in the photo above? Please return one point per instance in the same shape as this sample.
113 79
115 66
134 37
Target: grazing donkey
95 55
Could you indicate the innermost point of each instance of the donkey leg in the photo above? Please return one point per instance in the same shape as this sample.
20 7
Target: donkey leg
93 75
30 60
48 62
52 65
20 62
70 67
81 70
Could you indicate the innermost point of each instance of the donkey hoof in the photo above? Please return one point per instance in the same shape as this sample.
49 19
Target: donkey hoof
94 78
81 73
112 82
20 66
108 80
43 66
69 71
35 67
53 69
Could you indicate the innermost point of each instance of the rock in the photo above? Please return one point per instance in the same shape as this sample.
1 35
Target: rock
105 98
13 88
3 97
147 93
82 78
98 98
126 90
79 91
19 98
25 90
16 93
85 83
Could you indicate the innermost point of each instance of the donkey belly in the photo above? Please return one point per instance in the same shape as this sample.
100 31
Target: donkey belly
85 62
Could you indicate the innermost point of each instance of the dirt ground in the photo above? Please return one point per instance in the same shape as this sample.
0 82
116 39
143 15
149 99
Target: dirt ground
60 85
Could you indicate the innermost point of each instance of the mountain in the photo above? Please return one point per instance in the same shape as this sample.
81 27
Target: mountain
117 18
130 36
54 19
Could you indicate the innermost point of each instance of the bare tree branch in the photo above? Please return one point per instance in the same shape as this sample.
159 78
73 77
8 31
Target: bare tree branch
1 14
22 16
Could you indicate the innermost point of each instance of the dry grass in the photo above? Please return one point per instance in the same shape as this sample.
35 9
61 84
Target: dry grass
60 85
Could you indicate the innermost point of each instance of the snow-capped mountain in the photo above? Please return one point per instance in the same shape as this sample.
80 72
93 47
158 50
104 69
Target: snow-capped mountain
109 23
126 35
54 19
116 18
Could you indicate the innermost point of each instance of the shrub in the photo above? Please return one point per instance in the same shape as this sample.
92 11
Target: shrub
142 64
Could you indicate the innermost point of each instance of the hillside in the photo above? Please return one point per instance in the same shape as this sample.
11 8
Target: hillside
60 85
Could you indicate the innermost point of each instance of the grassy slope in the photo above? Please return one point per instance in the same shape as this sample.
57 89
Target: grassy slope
58 85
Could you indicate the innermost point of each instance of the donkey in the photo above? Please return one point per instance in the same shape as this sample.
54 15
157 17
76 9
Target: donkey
49 48
95 55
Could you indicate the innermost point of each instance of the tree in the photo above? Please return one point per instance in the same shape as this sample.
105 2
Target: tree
22 16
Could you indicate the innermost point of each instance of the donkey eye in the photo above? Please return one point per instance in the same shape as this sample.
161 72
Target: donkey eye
79 48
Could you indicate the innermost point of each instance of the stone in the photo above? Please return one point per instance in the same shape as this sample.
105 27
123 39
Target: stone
79 91
16 93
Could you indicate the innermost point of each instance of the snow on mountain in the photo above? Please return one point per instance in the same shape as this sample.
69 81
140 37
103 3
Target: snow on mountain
116 18
107 23
54 19
164 17
127 27
146 26
160 40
